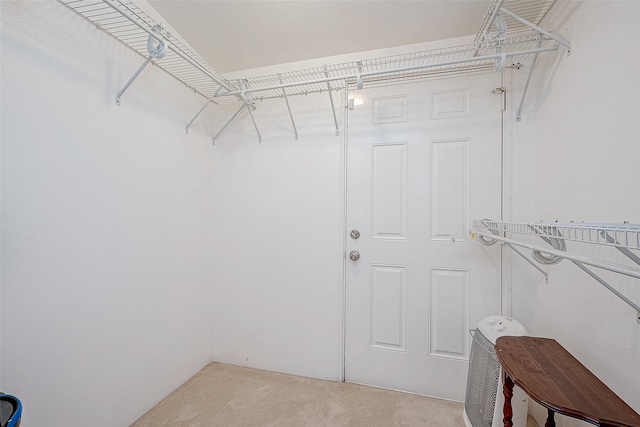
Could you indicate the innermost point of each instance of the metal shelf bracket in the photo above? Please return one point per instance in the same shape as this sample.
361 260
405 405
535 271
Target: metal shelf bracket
293 123
250 109
155 52
540 30
333 108
228 123
135 75
186 129
488 241
526 85
626 252
491 49
559 39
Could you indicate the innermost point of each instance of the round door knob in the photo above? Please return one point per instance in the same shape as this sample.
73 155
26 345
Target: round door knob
354 255
355 234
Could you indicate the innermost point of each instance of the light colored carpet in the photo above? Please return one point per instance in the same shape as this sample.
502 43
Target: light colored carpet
228 396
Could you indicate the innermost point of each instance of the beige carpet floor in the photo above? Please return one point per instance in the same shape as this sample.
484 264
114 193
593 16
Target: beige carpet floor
229 396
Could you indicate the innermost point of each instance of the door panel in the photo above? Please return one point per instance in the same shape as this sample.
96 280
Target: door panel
423 160
389 191
388 307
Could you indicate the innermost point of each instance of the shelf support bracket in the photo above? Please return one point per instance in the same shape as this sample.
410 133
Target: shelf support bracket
333 108
611 288
293 123
135 75
186 129
542 31
626 252
533 264
579 261
228 123
526 85
247 99
155 51
249 109
488 241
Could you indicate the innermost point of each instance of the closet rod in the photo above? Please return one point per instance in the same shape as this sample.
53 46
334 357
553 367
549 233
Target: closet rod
579 261
394 70
584 260
626 235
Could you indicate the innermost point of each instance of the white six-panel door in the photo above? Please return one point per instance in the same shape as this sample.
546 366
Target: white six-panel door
423 161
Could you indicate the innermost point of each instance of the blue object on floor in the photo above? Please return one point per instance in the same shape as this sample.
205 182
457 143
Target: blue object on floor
10 411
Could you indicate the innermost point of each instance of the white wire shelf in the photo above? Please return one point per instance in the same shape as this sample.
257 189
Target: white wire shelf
132 26
128 23
493 49
623 237
533 11
617 235
454 60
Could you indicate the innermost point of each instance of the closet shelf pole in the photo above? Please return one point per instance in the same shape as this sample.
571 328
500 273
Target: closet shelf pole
202 109
228 123
526 85
333 108
135 75
542 31
393 70
293 123
584 260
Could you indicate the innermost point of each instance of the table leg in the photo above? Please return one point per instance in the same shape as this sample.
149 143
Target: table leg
507 410
550 421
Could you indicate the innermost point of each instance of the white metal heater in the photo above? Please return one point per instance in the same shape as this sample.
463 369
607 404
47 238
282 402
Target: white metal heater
484 398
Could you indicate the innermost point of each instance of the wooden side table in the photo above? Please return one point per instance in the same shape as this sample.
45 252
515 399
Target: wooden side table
551 376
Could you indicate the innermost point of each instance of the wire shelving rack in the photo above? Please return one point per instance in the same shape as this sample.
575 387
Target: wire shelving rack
623 237
126 22
617 235
508 35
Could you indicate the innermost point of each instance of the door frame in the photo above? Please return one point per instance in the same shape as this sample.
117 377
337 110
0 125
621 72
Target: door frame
506 203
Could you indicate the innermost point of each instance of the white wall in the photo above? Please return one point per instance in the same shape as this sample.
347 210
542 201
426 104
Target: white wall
585 168
107 235
278 262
